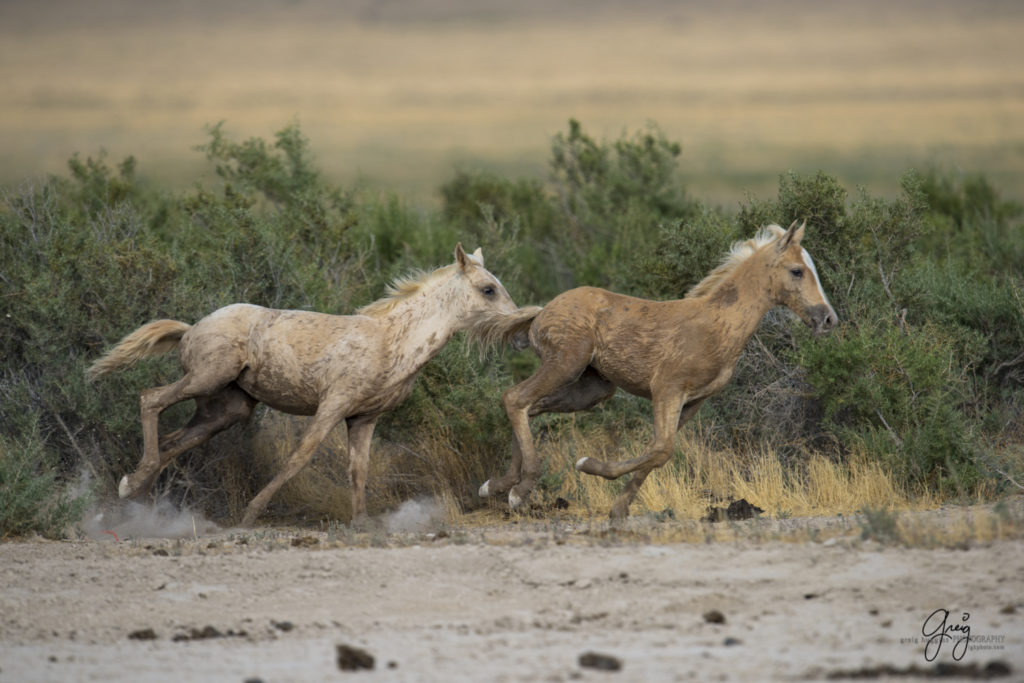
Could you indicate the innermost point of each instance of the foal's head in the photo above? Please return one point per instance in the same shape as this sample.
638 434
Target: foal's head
479 292
794 279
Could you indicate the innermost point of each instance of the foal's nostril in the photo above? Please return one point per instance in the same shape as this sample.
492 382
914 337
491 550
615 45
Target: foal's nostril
829 320
824 318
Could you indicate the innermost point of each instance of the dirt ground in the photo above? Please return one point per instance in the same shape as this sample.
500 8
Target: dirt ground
516 601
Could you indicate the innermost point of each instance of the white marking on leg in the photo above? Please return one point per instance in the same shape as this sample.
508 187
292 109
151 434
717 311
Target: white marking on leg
514 501
485 489
579 463
122 488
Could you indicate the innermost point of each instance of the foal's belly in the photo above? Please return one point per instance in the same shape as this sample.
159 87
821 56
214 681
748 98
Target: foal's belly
286 396
625 372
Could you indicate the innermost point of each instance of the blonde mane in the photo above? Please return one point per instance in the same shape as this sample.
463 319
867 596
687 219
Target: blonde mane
738 253
402 288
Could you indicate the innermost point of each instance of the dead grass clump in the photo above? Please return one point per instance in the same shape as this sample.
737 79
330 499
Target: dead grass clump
948 527
433 466
700 476
860 492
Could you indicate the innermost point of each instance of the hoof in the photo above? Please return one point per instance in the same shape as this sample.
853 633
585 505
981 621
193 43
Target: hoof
514 501
122 489
484 491
581 463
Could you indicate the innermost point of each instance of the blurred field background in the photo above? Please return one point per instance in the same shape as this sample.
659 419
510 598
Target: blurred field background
398 129
400 94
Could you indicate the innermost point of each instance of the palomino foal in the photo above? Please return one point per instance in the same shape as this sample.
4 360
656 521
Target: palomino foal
347 368
675 353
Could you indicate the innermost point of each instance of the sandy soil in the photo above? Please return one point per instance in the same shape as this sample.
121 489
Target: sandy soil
519 601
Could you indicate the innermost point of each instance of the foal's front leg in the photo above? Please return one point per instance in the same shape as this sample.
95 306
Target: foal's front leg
360 433
667 413
327 417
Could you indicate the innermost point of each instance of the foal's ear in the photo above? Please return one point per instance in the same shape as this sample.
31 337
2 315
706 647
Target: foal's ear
479 255
460 256
793 236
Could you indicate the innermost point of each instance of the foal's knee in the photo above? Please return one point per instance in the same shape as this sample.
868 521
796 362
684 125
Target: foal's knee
511 400
661 456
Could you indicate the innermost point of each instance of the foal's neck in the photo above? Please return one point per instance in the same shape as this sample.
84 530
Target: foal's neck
420 325
739 303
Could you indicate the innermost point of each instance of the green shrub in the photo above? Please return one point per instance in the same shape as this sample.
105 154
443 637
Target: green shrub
924 373
614 198
524 215
33 499
685 253
898 396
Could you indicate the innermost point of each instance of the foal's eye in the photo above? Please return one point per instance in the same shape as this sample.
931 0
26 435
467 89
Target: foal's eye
487 291
797 272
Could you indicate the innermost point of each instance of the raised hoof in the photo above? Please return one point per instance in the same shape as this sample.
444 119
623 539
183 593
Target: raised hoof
123 490
484 491
594 467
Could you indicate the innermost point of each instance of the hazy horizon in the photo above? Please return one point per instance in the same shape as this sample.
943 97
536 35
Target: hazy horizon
402 94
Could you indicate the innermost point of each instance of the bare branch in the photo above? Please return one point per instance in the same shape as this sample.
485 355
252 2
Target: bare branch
1009 478
892 432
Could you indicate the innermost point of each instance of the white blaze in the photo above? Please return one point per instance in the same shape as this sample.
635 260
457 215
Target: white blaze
810 264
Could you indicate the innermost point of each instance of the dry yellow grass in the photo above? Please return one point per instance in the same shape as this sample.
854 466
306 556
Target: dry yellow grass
402 95
704 477
689 485
809 499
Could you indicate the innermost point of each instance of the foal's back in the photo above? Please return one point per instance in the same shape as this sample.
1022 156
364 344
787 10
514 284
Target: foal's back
285 358
625 338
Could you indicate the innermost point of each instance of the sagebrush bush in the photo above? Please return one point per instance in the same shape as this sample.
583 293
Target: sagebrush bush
34 499
923 375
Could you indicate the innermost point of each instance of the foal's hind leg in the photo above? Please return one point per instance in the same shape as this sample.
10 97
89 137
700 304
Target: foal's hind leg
582 394
585 392
153 402
213 414
519 401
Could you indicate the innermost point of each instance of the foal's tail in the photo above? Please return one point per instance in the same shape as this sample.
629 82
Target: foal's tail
498 329
153 339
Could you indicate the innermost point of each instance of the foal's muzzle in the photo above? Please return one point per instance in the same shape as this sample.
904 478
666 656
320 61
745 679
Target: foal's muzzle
823 318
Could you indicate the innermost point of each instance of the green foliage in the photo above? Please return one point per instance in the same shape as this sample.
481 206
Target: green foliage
897 395
686 251
32 498
600 216
924 373
614 198
522 212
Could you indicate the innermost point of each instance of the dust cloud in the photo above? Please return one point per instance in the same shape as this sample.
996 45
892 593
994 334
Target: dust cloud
415 516
129 519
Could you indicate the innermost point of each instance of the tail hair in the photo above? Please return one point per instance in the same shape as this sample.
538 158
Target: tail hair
497 329
152 339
